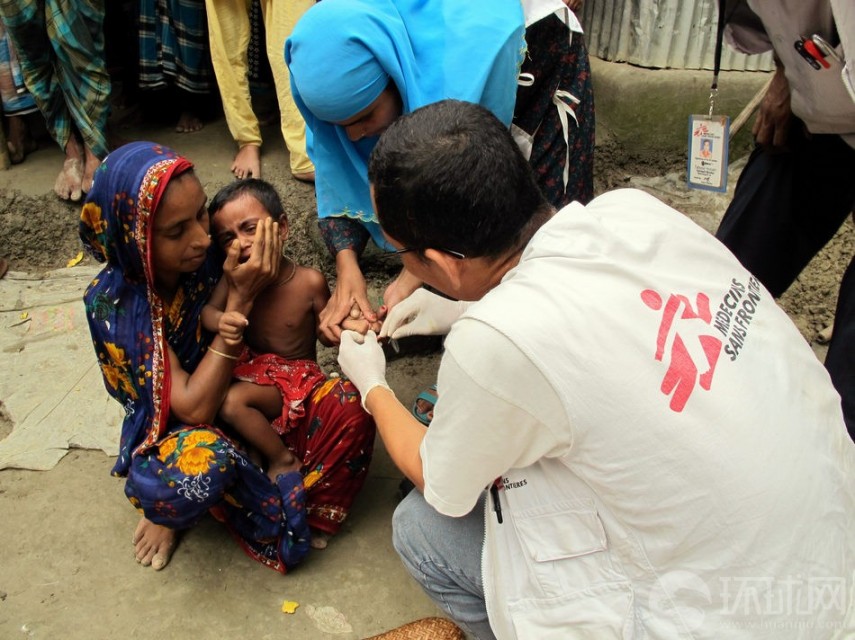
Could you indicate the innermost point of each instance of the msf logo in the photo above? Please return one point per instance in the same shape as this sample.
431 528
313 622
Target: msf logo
684 344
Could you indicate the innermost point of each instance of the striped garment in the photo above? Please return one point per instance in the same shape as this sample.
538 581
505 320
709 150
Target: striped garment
174 46
60 47
16 100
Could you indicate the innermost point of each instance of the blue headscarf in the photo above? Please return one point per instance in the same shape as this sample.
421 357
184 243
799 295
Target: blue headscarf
129 322
343 53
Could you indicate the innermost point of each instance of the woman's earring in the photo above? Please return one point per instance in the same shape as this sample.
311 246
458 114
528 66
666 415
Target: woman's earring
283 252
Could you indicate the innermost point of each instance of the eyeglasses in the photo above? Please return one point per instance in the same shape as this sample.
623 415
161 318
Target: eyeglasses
451 252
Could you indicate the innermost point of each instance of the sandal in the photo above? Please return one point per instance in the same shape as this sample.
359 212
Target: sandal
425 414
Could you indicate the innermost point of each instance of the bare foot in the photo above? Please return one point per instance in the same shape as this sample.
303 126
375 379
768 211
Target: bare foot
320 539
247 162
70 180
153 544
188 122
285 463
92 163
309 176
19 142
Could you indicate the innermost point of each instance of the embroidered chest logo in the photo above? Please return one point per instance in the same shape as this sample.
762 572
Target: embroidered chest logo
683 342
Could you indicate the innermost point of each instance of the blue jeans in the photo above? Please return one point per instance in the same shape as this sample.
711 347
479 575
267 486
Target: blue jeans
443 554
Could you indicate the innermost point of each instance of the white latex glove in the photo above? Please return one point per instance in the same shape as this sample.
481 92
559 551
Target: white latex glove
422 314
362 360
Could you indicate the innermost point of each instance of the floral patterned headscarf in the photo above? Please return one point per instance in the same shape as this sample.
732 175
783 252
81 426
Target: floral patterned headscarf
129 322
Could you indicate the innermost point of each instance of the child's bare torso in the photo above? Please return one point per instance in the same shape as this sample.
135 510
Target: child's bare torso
283 320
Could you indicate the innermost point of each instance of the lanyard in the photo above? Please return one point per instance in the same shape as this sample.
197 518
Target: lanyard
719 40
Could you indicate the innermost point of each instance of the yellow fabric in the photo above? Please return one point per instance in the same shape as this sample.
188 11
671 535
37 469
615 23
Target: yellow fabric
229 33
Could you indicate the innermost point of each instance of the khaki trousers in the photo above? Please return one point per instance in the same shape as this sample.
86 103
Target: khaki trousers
229 33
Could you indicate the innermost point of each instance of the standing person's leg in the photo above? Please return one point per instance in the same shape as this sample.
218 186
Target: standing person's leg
76 31
580 159
557 111
229 35
279 21
787 206
25 23
174 53
194 76
444 556
26 28
840 360
17 102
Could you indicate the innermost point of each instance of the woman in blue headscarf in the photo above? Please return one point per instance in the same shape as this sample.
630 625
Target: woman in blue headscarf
145 217
356 65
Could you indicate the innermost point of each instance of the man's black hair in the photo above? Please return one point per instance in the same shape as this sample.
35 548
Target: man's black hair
450 176
259 189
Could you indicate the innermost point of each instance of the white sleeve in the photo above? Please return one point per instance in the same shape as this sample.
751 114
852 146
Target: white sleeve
495 411
744 30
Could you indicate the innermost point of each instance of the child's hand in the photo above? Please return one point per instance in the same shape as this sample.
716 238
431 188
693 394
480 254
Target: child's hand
231 327
355 321
360 326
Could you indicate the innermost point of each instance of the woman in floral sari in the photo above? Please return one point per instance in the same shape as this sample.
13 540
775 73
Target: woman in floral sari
146 218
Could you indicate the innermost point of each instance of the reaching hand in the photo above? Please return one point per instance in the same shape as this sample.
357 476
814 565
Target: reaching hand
231 327
775 117
350 290
400 289
422 314
362 361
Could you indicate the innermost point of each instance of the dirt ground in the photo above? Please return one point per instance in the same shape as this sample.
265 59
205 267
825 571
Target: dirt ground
67 564
66 558
39 232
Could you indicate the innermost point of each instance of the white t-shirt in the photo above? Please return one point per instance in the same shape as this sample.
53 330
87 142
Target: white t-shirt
675 442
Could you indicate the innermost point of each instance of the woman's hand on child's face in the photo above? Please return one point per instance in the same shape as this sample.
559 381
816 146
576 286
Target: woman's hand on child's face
262 267
231 327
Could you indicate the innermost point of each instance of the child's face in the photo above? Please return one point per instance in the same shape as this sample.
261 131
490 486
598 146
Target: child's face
238 219
180 237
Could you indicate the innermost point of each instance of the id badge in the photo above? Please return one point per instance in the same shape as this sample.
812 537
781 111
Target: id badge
708 149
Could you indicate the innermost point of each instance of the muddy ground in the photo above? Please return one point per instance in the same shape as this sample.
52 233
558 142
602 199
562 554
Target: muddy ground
66 561
38 233
67 570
